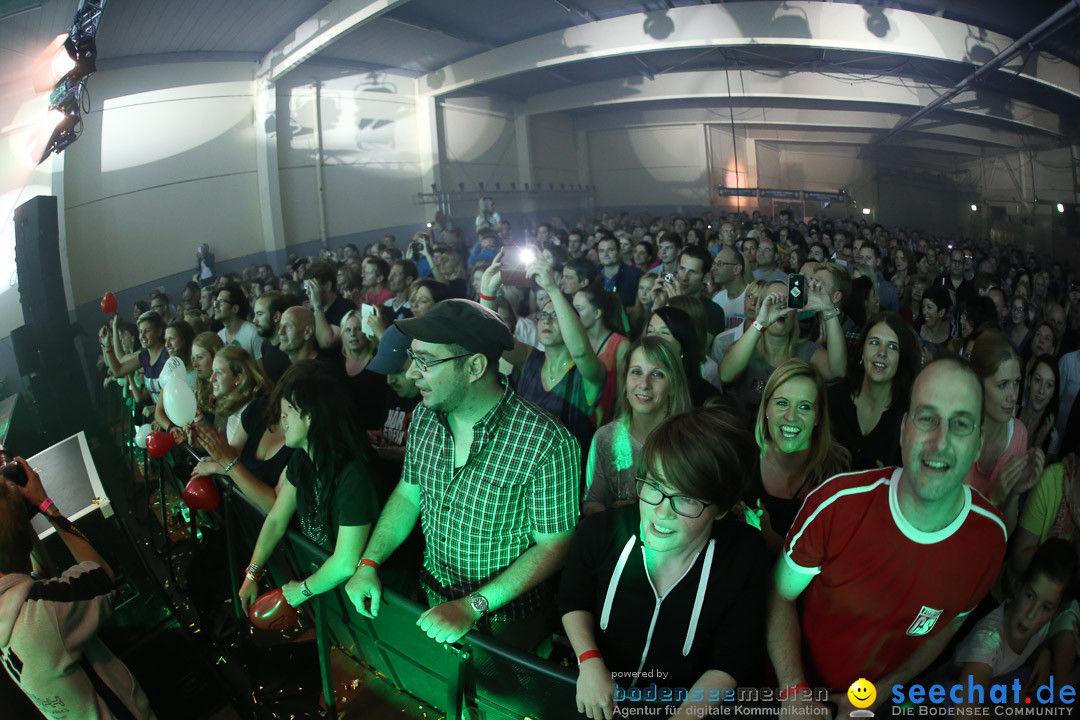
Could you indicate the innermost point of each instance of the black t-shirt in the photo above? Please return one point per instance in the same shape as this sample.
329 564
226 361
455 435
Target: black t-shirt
399 412
715 320
732 620
367 391
352 500
880 448
274 361
254 423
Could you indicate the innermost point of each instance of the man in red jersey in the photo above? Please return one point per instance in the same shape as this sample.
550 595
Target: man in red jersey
887 563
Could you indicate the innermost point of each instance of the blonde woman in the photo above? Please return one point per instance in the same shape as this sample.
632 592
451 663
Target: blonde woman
237 379
654 387
798 452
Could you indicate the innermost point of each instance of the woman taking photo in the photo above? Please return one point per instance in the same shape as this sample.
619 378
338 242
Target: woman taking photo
366 388
329 488
654 388
798 452
601 313
566 378
773 339
680 534
865 412
1006 468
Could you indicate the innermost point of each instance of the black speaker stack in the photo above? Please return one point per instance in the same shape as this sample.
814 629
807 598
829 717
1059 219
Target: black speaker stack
45 345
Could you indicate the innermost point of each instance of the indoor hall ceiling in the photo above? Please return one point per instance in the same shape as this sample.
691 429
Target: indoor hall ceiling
433 39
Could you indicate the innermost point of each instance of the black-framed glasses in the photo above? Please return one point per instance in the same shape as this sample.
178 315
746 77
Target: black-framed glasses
959 425
650 493
426 365
547 316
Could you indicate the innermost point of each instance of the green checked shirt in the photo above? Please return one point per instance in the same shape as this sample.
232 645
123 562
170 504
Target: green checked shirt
521 478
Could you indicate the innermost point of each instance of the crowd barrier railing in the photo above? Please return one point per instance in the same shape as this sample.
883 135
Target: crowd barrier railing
478 671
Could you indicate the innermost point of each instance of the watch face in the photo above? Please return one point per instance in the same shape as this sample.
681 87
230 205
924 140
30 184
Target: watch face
479 603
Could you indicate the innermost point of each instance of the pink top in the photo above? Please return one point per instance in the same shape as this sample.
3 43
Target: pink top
1016 441
377 300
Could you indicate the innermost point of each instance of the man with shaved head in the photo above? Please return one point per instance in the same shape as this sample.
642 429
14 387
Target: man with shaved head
296 334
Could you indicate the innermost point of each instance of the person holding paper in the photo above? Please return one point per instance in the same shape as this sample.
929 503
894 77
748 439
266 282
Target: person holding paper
367 388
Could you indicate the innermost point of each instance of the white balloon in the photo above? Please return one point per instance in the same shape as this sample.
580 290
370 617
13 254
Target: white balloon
140 435
179 401
173 368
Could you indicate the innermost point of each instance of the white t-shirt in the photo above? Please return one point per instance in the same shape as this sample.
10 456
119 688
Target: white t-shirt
247 338
733 306
1068 621
724 341
987 644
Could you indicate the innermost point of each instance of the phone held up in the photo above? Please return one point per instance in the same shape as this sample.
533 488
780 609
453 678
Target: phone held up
516 263
796 291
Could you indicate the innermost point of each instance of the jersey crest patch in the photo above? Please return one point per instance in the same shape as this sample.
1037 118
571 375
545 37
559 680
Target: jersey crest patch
925 621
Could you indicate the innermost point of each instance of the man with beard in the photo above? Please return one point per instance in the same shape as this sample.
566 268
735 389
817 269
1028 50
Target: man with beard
268 311
888 562
231 310
497 515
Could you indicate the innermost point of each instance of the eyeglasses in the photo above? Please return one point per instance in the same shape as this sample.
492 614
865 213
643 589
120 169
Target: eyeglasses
426 365
219 302
547 316
650 493
928 421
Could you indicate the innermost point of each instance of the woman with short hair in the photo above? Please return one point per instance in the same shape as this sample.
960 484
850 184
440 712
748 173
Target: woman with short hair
675 581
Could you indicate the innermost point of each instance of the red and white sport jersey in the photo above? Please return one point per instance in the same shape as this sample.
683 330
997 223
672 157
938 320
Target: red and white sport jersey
882 588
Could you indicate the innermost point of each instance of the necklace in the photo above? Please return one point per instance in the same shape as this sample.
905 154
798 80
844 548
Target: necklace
554 373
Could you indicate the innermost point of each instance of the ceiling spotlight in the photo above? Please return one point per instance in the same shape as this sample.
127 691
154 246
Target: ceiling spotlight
1060 208
974 207
81 43
866 211
876 22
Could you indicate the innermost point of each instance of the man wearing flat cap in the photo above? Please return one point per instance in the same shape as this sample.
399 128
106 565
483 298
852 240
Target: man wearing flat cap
492 478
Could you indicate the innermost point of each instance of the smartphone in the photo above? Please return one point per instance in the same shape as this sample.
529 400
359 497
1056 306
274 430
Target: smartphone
366 311
796 291
12 470
514 267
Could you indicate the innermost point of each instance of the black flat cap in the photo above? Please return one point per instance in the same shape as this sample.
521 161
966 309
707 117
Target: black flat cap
461 322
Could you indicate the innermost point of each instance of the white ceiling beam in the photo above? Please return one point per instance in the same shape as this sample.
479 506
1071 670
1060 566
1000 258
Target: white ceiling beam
774 123
319 31
800 86
818 25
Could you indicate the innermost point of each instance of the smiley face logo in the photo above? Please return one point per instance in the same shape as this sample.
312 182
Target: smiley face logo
862 693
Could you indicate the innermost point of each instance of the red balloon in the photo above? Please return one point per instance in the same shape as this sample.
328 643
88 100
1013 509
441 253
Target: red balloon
159 443
108 304
201 494
271 612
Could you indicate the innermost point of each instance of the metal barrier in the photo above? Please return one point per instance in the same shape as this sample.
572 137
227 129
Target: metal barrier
478 671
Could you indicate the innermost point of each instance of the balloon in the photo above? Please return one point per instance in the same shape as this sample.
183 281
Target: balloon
201 494
271 612
108 304
179 401
173 368
140 435
159 443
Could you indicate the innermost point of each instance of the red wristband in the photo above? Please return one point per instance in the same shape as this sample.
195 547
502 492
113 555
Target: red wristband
482 296
370 563
588 655
45 505
792 690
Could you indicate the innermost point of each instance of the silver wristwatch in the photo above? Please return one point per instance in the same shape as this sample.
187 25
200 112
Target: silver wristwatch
479 603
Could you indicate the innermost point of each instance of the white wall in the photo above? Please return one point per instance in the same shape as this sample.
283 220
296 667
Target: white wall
649 166
371 165
165 162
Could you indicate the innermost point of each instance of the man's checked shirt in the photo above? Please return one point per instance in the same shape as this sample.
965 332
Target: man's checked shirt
522 476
